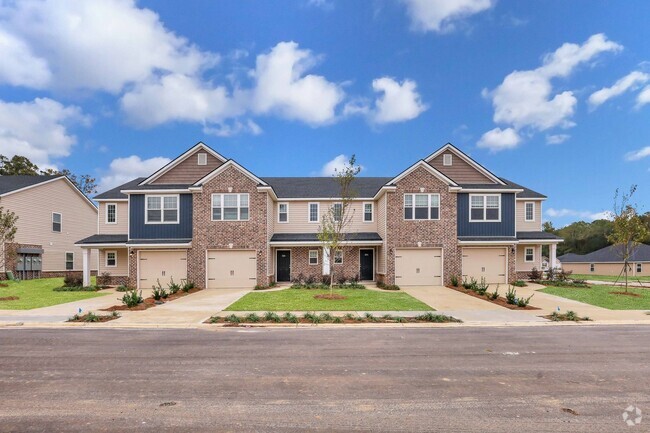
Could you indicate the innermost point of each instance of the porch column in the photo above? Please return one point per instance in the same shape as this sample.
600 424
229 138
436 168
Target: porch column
553 253
326 262
86 266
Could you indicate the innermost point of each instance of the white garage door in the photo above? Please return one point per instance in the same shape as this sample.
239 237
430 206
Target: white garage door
488 263
162 266
228 269
418 267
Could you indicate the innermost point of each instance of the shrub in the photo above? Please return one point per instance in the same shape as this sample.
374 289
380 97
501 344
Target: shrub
233 318
187 286
387 317
310 280
299 279
252 317
122 288
158 292
291 318
471 285
326 317
535 274
104 279
454 280
511 295
341 280
309 316
173 287
494 295
72 280
390 287
337 320
76 289
523 302
370 318
214 319
132 298
482 287
436 318
519 283
400 319
270 316
571 315
349 316
91 317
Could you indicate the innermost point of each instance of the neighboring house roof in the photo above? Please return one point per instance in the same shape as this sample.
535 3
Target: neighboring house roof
527 193
313 237
610 254
14 183
323 187
104 239
487 239
158 241
115 193
526 236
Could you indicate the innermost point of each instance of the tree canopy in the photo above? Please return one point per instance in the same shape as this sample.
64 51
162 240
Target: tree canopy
21 165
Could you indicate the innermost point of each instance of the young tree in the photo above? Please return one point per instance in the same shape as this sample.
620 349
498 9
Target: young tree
629 229
7 234
331 232
17 165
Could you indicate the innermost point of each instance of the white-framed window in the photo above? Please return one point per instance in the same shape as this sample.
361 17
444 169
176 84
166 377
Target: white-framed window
529 211
111 213
592 267
283 212
485 207
313 257
161 209
111 259
529 254
69 261
57 222
368 212
202 159
338 211
639 268
446 159
230 207
314 210
421 206
338 257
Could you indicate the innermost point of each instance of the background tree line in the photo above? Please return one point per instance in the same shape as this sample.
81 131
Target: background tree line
21 165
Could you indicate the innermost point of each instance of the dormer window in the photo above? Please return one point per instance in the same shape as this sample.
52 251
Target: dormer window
446 159
203 159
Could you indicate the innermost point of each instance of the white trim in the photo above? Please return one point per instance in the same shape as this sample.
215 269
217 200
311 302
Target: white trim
429 168
372 212
162 209
239 207
447 159
321 199
156 191
106 253
179 159
485 208
636 267
317 212
65 261
224 166
490 191
201 161
319 243
158 246
526 255
267 189
309 258
487 242
286 212
100 200
60 222
526 211
101 246
529 199
69 182
339 250
384 189
413 207
467 159
106 213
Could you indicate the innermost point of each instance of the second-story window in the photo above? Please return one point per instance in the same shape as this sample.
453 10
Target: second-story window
530 211
161 209
111 213
283 212
338 211
230 207
422 206
56 222
367 212
313 212
485 207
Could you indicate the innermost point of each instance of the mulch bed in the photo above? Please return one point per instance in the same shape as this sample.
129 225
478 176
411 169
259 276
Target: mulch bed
332 297
635 295
344 321
100 318
499 301
151 302
9 298
4 285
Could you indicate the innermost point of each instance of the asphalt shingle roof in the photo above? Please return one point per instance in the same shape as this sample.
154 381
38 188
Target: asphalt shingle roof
527 193
115 192
610 254
313 237
12 183
323 187
487 238
537 236
104 239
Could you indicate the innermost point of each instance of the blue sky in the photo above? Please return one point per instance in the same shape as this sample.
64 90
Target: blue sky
554 95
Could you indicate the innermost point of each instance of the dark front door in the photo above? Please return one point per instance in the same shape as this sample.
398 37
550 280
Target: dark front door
367 261
283 261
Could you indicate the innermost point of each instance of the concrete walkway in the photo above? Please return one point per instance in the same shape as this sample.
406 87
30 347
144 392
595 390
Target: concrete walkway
468 308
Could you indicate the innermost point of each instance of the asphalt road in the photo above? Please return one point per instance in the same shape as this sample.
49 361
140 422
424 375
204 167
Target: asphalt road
347 380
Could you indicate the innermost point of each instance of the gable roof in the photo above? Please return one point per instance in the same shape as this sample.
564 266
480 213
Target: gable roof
426 166
14 183
223 167
116 194
180 158
526 193
610 254
467 159
323 187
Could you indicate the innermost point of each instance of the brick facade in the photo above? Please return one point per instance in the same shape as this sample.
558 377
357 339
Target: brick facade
401 233
349 269
223 235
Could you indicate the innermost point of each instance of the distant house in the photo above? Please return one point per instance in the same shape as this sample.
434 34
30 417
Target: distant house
52 214
608 261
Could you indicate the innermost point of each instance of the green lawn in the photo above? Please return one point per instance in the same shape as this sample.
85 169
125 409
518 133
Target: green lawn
608 278
600 296
39 293
303 300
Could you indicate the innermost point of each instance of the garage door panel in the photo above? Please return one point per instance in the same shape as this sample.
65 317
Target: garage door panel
418 267
163 266
231 269
488 263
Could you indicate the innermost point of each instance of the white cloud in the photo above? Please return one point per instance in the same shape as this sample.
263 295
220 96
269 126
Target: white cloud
326 5
525 99
440 15
283 88
592 216
397 102
236 127
19 67
557 138
643 97
38 129
98 45
122 170
629 82
638 154
338 163
499 139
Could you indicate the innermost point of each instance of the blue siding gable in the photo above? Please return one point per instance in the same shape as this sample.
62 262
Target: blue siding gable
506 227
139 230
